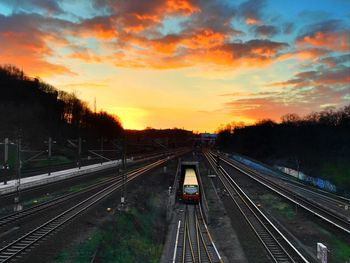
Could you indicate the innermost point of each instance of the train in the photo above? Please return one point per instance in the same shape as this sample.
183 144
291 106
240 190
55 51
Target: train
190 187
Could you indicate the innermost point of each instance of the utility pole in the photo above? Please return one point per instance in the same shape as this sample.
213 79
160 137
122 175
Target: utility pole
6 155
18 207
79 152
101 149
124 176
49 154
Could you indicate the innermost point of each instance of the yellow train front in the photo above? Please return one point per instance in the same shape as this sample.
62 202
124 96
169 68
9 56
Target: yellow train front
190 187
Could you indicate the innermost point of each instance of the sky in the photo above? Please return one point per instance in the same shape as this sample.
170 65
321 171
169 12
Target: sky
193 64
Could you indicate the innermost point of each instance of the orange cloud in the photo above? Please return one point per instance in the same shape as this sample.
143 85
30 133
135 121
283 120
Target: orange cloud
135 23
103 33
28 50
205 38
195 47
184 6
305 54
167 44
135 17
337 41
252 21
85 57
98 27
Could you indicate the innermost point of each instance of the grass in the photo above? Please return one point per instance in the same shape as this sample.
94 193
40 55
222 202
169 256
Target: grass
38 200
340 252
339 249
132 236
84 252
337 172
278 206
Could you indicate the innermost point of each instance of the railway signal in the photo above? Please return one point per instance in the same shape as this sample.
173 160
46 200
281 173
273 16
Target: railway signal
322 253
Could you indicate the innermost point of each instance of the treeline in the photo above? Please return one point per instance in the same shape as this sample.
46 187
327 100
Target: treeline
318 144
159 138
34 110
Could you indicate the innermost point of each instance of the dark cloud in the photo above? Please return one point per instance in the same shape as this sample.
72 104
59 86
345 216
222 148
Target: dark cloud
329 34
215 15
335 60
50 7
137 16
265 31
336 77
132 32
251 9
256 48
330 25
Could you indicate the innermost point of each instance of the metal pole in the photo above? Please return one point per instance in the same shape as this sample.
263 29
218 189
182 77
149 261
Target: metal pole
101 149
19 164
49 154
6 150
6 167
123 197
79 152
298 166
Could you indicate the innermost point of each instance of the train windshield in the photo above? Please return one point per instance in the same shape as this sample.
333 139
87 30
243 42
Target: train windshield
190 189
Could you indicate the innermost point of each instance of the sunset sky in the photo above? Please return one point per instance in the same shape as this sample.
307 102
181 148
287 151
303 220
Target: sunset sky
192 64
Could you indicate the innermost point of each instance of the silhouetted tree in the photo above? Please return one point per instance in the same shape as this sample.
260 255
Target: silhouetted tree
318 141
39 110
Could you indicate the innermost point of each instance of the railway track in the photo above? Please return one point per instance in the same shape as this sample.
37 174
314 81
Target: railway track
315 206
17 247
14 217
134 162
279 248
195 244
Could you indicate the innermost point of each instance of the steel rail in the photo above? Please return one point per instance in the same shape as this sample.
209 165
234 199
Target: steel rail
197 244
18 246
336 199
275 243
210 243
13 217
309 206
187 246
201 241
